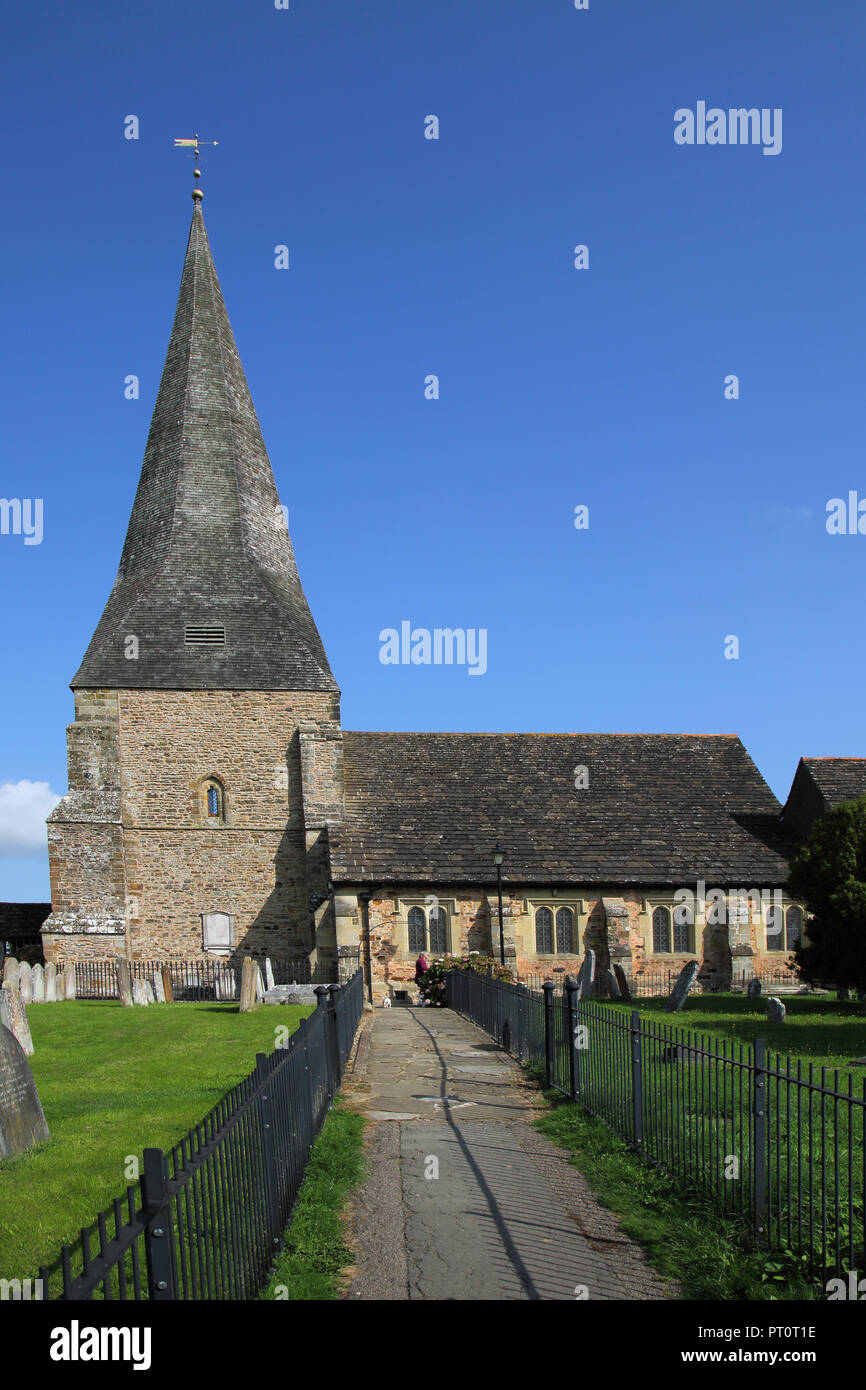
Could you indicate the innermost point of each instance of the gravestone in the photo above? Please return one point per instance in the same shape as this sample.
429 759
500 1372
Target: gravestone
70 988
10 970
167 986
612 985
25 982
622 981
754 988
51 983
22 1123
586 976
13 1016
38 978
148 992
158 989
682 985
248 986
124 983
269 974
139 993
775 1010
260 984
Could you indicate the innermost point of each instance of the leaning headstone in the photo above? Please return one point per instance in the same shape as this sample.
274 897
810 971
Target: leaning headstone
622 981
248 986
25 982
38 977
168 987
139 993
124 983
158 988
10 970
148 992
586 976
70 988
754 988
260 984
682 985
13 1016
775 1010
269 974
51 983
22 1123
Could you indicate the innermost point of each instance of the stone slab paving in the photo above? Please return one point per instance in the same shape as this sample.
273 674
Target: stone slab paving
464 1200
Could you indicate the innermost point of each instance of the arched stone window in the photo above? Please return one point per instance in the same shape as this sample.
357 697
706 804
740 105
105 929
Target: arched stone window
213 802
544 932
564 931
794 927
681 928
775 932
417 930
661 931
438 931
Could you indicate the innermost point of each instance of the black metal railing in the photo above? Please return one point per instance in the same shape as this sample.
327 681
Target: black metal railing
781 1144
209 979
208 1219
657 984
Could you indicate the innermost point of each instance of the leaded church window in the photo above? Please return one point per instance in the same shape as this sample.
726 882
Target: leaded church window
428 934
544 932
417 930
794 923
565 931
661 931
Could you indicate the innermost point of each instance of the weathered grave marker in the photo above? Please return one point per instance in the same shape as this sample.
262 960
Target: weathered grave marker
622 981
754 988
248 986
50 983
158 987
10 970
260 984
22 1123
38 977
13 1015
167 986
124 983
682 985
25 982
613 990
139 993
269 974
70 989
775 1010
586 976
149 995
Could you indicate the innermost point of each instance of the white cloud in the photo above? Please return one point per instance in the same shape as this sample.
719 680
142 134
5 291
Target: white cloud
23 808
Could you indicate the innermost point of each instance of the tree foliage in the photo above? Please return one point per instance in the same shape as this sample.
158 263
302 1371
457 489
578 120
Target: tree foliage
828 875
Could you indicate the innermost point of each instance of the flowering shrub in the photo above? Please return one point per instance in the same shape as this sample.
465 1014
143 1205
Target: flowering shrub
432 982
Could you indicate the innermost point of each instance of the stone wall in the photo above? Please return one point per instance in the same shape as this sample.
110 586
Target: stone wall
135 858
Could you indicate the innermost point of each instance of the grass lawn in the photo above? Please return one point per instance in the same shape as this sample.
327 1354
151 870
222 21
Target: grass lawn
113 1082
684 1236
820 1030
315 1250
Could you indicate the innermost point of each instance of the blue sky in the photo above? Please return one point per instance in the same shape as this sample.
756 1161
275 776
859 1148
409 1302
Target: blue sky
454 257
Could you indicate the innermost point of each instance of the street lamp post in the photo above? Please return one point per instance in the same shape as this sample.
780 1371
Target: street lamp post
498 856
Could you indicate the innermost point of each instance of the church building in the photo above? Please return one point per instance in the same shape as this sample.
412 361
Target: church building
217 808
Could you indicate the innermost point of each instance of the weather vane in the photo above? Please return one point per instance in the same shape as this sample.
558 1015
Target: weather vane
194 144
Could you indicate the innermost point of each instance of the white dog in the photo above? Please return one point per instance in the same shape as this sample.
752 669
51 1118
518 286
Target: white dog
386 1003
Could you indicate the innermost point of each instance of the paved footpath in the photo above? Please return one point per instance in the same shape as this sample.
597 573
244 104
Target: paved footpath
464 1200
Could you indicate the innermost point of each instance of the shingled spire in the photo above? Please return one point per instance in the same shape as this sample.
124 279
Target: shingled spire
207 595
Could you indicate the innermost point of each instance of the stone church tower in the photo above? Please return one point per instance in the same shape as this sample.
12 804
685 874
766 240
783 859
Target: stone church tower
205 697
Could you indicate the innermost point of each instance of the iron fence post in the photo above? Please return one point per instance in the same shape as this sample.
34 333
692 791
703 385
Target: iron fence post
268 1157
571 1003
761 1106
323 997
158 1230
334 991
636 1079
548 1032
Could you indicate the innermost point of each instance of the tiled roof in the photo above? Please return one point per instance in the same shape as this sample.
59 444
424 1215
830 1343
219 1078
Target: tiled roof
207 544
659 808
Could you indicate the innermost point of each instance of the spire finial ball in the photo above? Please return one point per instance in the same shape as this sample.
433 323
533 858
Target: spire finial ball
197 195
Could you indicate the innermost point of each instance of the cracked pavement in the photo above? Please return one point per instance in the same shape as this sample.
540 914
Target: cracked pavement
463 1199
